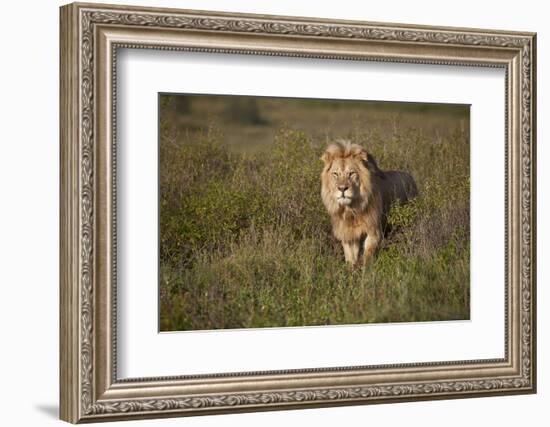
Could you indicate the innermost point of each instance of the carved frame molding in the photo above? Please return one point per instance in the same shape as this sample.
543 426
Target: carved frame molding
90 37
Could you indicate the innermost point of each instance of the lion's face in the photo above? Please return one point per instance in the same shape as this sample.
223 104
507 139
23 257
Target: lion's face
344 181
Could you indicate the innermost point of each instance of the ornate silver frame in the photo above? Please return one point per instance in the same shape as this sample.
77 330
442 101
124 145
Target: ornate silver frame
90 36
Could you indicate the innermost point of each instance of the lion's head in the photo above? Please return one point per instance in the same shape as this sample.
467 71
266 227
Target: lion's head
346 180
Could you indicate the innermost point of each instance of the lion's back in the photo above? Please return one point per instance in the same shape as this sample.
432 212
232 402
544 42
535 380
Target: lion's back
400 186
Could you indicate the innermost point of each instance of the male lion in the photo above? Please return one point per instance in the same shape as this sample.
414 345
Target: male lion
358 196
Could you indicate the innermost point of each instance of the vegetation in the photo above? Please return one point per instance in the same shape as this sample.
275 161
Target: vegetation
245 240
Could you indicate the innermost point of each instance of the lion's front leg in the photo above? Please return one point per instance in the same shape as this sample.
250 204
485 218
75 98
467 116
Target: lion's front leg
371 244
351 252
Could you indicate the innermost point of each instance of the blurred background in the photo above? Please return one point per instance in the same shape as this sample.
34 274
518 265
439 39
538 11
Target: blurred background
251 123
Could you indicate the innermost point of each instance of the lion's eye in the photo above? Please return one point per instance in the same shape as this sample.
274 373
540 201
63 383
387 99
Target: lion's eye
352 173
335 174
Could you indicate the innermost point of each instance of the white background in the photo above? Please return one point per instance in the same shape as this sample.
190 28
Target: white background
29 171
143 352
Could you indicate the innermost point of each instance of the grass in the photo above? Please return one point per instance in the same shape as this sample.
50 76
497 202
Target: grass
245 240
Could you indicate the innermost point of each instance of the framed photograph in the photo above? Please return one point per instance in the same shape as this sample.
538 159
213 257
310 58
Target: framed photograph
265 212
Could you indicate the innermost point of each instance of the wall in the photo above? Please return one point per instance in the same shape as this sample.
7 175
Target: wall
29 216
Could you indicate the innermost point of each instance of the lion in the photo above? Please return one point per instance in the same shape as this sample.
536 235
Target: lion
357 195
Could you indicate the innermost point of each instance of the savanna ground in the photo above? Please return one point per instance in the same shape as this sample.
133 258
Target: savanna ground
245 241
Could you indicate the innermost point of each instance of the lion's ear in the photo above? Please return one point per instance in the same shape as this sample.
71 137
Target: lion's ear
363 155
326 157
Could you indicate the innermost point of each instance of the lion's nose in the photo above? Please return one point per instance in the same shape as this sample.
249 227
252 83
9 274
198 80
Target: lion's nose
342 188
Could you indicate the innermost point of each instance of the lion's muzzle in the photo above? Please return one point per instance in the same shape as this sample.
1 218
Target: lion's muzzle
344 197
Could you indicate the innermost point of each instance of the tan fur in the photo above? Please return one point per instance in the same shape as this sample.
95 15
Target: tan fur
358 195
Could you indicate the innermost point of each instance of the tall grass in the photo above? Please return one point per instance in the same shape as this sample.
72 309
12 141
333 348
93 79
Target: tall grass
245 240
